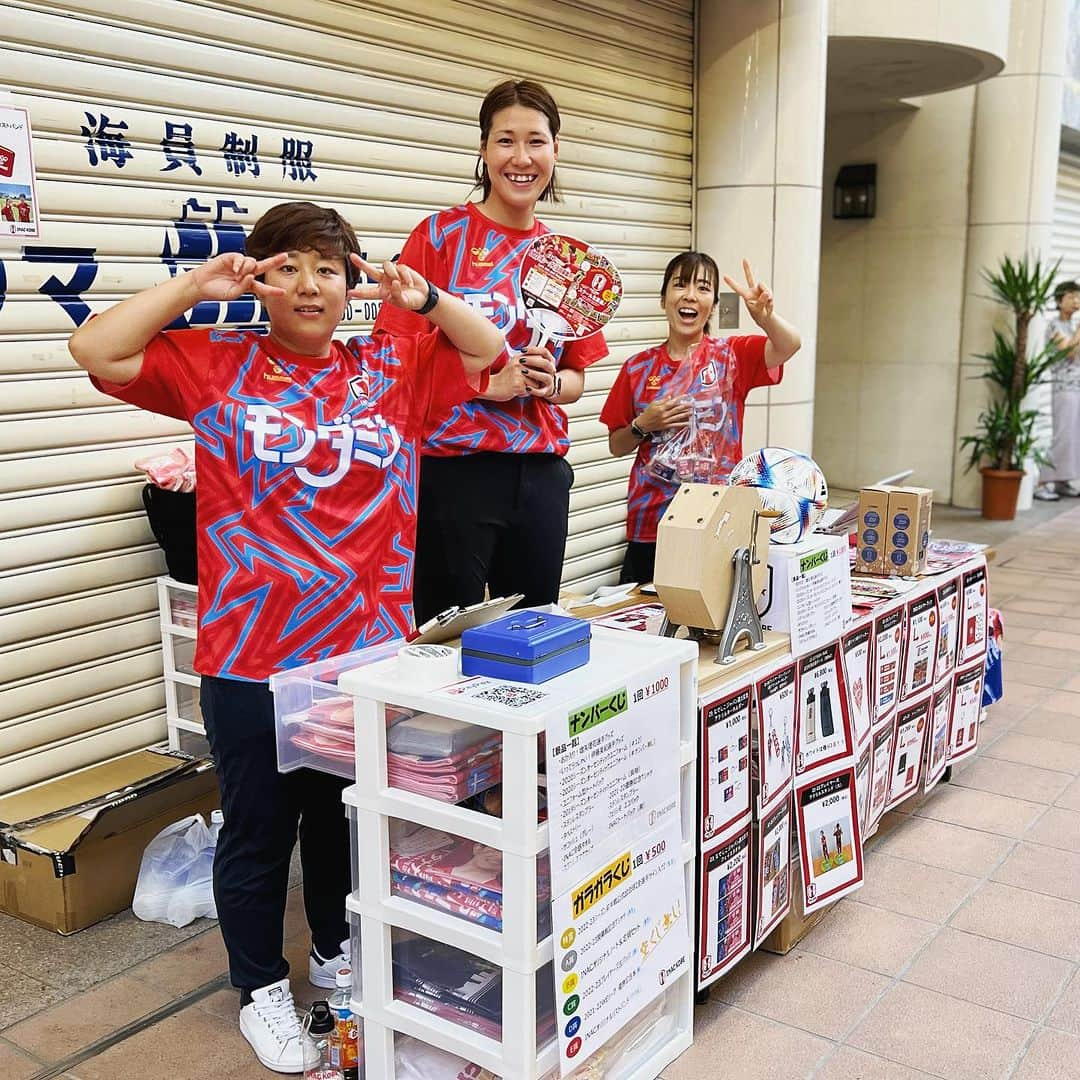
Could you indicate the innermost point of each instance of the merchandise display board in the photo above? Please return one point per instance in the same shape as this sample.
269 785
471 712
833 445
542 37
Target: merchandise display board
856 645
824 733
725 903
948 598
881 759
830 840
724 760
967 702
772 869
775 711
937 744
909 739
973 614
920 644
888 650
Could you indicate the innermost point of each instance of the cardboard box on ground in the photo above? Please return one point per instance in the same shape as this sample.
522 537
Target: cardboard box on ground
70 847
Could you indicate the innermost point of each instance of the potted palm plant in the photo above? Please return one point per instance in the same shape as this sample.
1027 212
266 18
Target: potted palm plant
1005 439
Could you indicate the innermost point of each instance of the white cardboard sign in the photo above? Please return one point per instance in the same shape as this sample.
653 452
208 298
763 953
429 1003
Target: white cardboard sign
937 746
830 841
921 645
725 904
776 713
973 615
824 729
948 626
725 761
879 775
888 652
967 704
772 879
856 645
910 730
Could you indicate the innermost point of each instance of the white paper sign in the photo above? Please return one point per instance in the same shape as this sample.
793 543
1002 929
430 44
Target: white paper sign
773 876
879 775
830 841
967 704
19 212
824 730
888 646
948 627
819 595
644 618
725 761
910 731
613 773
862 786
937 748
725 904
776 715
856 645
973 602
922 644
621 935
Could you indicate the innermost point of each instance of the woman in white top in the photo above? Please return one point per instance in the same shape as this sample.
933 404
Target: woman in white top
1056 478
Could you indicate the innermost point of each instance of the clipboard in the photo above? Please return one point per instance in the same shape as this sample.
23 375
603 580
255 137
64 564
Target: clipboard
449 624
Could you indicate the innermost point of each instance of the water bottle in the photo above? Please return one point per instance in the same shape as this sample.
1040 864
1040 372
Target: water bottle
320 1029
345 1041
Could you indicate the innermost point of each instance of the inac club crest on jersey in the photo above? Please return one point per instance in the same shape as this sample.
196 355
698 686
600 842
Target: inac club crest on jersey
360 389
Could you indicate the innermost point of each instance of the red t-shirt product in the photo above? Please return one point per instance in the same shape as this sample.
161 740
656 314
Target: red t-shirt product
736 362
307 474
473 257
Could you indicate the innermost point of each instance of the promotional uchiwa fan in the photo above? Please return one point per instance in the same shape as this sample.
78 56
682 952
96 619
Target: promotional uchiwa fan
570 289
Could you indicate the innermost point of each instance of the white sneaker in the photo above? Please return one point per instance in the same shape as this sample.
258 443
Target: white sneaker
323 973
1046 493
271 1026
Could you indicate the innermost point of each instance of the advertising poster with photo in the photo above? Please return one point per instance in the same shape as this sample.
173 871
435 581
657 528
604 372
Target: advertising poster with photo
937 746
643 618
910 730
830 841
862 786
622 934
725 904
888 651
772 879
966 706
19 211
973 614
725 761
856 646
613 772
879 776
776 698
824 730
948 602
920 646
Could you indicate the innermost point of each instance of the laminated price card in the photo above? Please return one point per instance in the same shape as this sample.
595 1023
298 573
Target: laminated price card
613 772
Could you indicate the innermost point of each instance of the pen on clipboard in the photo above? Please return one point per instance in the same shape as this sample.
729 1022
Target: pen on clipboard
434 623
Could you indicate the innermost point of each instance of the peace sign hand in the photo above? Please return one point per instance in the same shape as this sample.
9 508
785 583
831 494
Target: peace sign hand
757 297
404 288
228 276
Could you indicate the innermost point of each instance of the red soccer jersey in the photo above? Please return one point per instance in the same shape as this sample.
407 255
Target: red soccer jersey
306 496
738 362
23 209
473 257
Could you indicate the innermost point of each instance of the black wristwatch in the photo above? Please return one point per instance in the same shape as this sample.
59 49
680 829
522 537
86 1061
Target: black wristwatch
430 302
639 433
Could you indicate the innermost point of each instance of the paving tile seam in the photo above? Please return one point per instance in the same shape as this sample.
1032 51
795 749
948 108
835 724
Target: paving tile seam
1041 1025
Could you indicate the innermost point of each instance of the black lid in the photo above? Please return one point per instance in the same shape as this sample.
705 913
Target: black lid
322 1019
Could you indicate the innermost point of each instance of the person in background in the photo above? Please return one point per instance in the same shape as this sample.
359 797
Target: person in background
652 394
494 480
1057 478
306 453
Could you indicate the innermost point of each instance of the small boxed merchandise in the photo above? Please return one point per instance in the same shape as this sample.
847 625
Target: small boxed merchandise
526 647
70 847
870 536
893 530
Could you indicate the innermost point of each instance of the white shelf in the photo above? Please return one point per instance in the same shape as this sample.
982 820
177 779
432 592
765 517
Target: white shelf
182 715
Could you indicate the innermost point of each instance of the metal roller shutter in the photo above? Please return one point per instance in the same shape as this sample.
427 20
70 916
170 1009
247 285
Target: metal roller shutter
162 130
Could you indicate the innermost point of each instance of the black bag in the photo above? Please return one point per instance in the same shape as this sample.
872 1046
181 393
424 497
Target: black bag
172 521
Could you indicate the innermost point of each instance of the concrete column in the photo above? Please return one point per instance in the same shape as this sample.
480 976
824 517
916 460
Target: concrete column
1013 175
760 138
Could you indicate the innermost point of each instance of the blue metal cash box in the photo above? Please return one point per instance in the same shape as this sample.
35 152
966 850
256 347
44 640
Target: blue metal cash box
526 646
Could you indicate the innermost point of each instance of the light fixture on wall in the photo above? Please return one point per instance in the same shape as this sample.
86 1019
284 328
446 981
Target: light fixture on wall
855 191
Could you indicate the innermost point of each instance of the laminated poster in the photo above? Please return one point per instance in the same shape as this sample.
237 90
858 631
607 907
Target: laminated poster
937 747
725 757
948 602
862 786
824 728
857 677
973 603
830 842
909 738
772 880
19 210
725 905
613 772
776 714
879 775
967 704
921 645
622 935
888 649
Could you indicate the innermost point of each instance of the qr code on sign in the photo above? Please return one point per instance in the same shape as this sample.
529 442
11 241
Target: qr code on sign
513 697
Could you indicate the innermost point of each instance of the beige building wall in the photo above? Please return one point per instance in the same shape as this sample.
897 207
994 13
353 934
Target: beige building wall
891 295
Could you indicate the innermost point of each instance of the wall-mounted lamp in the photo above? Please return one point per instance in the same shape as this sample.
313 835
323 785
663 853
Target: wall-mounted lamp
855 191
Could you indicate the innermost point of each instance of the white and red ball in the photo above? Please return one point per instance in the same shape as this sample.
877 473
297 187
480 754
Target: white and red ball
789 482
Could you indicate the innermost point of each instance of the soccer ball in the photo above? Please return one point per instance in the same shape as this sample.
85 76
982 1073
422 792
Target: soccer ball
789 482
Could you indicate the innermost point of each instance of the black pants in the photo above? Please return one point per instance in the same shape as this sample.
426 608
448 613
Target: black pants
496 520
262 809
639 563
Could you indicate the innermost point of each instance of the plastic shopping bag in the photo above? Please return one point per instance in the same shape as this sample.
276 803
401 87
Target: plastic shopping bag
175 882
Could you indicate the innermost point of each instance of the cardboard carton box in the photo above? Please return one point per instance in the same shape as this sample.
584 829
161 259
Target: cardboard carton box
908 530
70 847
872 530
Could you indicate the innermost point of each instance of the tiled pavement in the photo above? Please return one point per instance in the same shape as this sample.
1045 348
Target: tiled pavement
957 959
